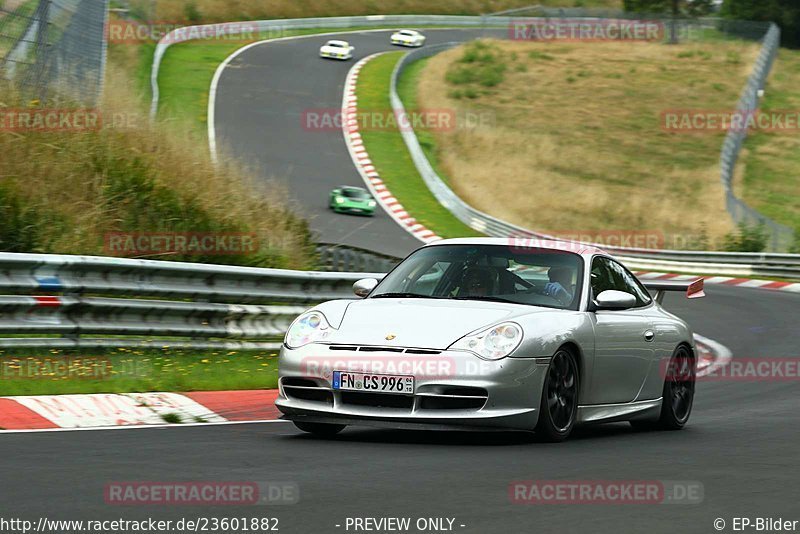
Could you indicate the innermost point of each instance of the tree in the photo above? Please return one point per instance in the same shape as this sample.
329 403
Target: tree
676 8
785 13
691 8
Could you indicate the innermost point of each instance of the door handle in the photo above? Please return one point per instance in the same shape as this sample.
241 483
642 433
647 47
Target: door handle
649 335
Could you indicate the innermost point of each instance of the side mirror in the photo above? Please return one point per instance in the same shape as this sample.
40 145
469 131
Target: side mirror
615 300
363 287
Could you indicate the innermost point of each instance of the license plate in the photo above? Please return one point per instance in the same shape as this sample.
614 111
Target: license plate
373 383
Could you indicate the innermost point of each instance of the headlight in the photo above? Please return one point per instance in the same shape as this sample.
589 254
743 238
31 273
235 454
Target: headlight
492 344
307 329
372 203
339 200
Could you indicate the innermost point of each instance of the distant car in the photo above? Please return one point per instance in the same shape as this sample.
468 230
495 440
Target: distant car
336 49
347 199
408 38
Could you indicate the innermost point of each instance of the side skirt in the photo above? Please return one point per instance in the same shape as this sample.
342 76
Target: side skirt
608 413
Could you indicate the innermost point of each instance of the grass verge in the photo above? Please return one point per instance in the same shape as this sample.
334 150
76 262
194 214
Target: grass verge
390 156
60 372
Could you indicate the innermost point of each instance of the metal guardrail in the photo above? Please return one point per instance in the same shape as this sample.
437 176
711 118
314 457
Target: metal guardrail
342 258
780 236
122 302
113 302
724 263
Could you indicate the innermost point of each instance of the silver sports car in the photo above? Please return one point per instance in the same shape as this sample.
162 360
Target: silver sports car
496 334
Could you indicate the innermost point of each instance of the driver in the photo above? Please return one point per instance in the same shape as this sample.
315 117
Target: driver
476 282
560 286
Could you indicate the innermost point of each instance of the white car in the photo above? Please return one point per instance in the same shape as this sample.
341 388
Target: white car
408 38
335 49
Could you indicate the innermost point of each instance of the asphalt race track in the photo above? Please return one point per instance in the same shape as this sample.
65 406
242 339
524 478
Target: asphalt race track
261 99
741 444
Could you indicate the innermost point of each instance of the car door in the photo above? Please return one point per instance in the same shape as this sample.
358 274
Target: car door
623 338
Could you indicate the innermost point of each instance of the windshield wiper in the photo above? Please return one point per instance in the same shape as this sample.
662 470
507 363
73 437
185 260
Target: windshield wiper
490 299
402 296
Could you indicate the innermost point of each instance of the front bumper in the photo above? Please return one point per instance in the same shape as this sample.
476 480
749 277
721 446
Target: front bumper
329 55
410 44
359 209
453 389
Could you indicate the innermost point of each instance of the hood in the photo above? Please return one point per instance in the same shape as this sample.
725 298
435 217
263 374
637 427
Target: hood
419 323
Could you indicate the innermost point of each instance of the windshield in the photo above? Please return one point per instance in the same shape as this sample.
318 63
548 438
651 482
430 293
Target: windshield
536 277
336 44
355 193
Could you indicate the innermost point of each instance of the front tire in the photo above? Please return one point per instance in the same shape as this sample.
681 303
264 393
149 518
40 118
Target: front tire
559 405
322 430
677 397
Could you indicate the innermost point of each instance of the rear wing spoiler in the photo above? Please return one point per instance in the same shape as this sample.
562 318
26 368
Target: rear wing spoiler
694 290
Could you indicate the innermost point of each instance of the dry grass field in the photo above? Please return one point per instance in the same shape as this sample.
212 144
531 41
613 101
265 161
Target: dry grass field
575 139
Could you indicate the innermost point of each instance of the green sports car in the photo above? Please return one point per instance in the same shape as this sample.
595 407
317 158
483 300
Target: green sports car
348 199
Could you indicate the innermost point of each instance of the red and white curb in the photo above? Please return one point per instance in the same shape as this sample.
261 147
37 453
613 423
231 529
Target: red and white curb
135 409
711 355
724 280
365 166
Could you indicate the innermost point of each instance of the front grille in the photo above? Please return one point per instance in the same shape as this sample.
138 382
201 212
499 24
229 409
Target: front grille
454 398
306 390
377 400
450 403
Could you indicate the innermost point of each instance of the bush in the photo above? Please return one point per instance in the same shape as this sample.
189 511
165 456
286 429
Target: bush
747 239
480 64
192 13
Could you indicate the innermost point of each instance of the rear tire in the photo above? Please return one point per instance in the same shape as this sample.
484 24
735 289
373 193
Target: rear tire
677 397
558 409
322 430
